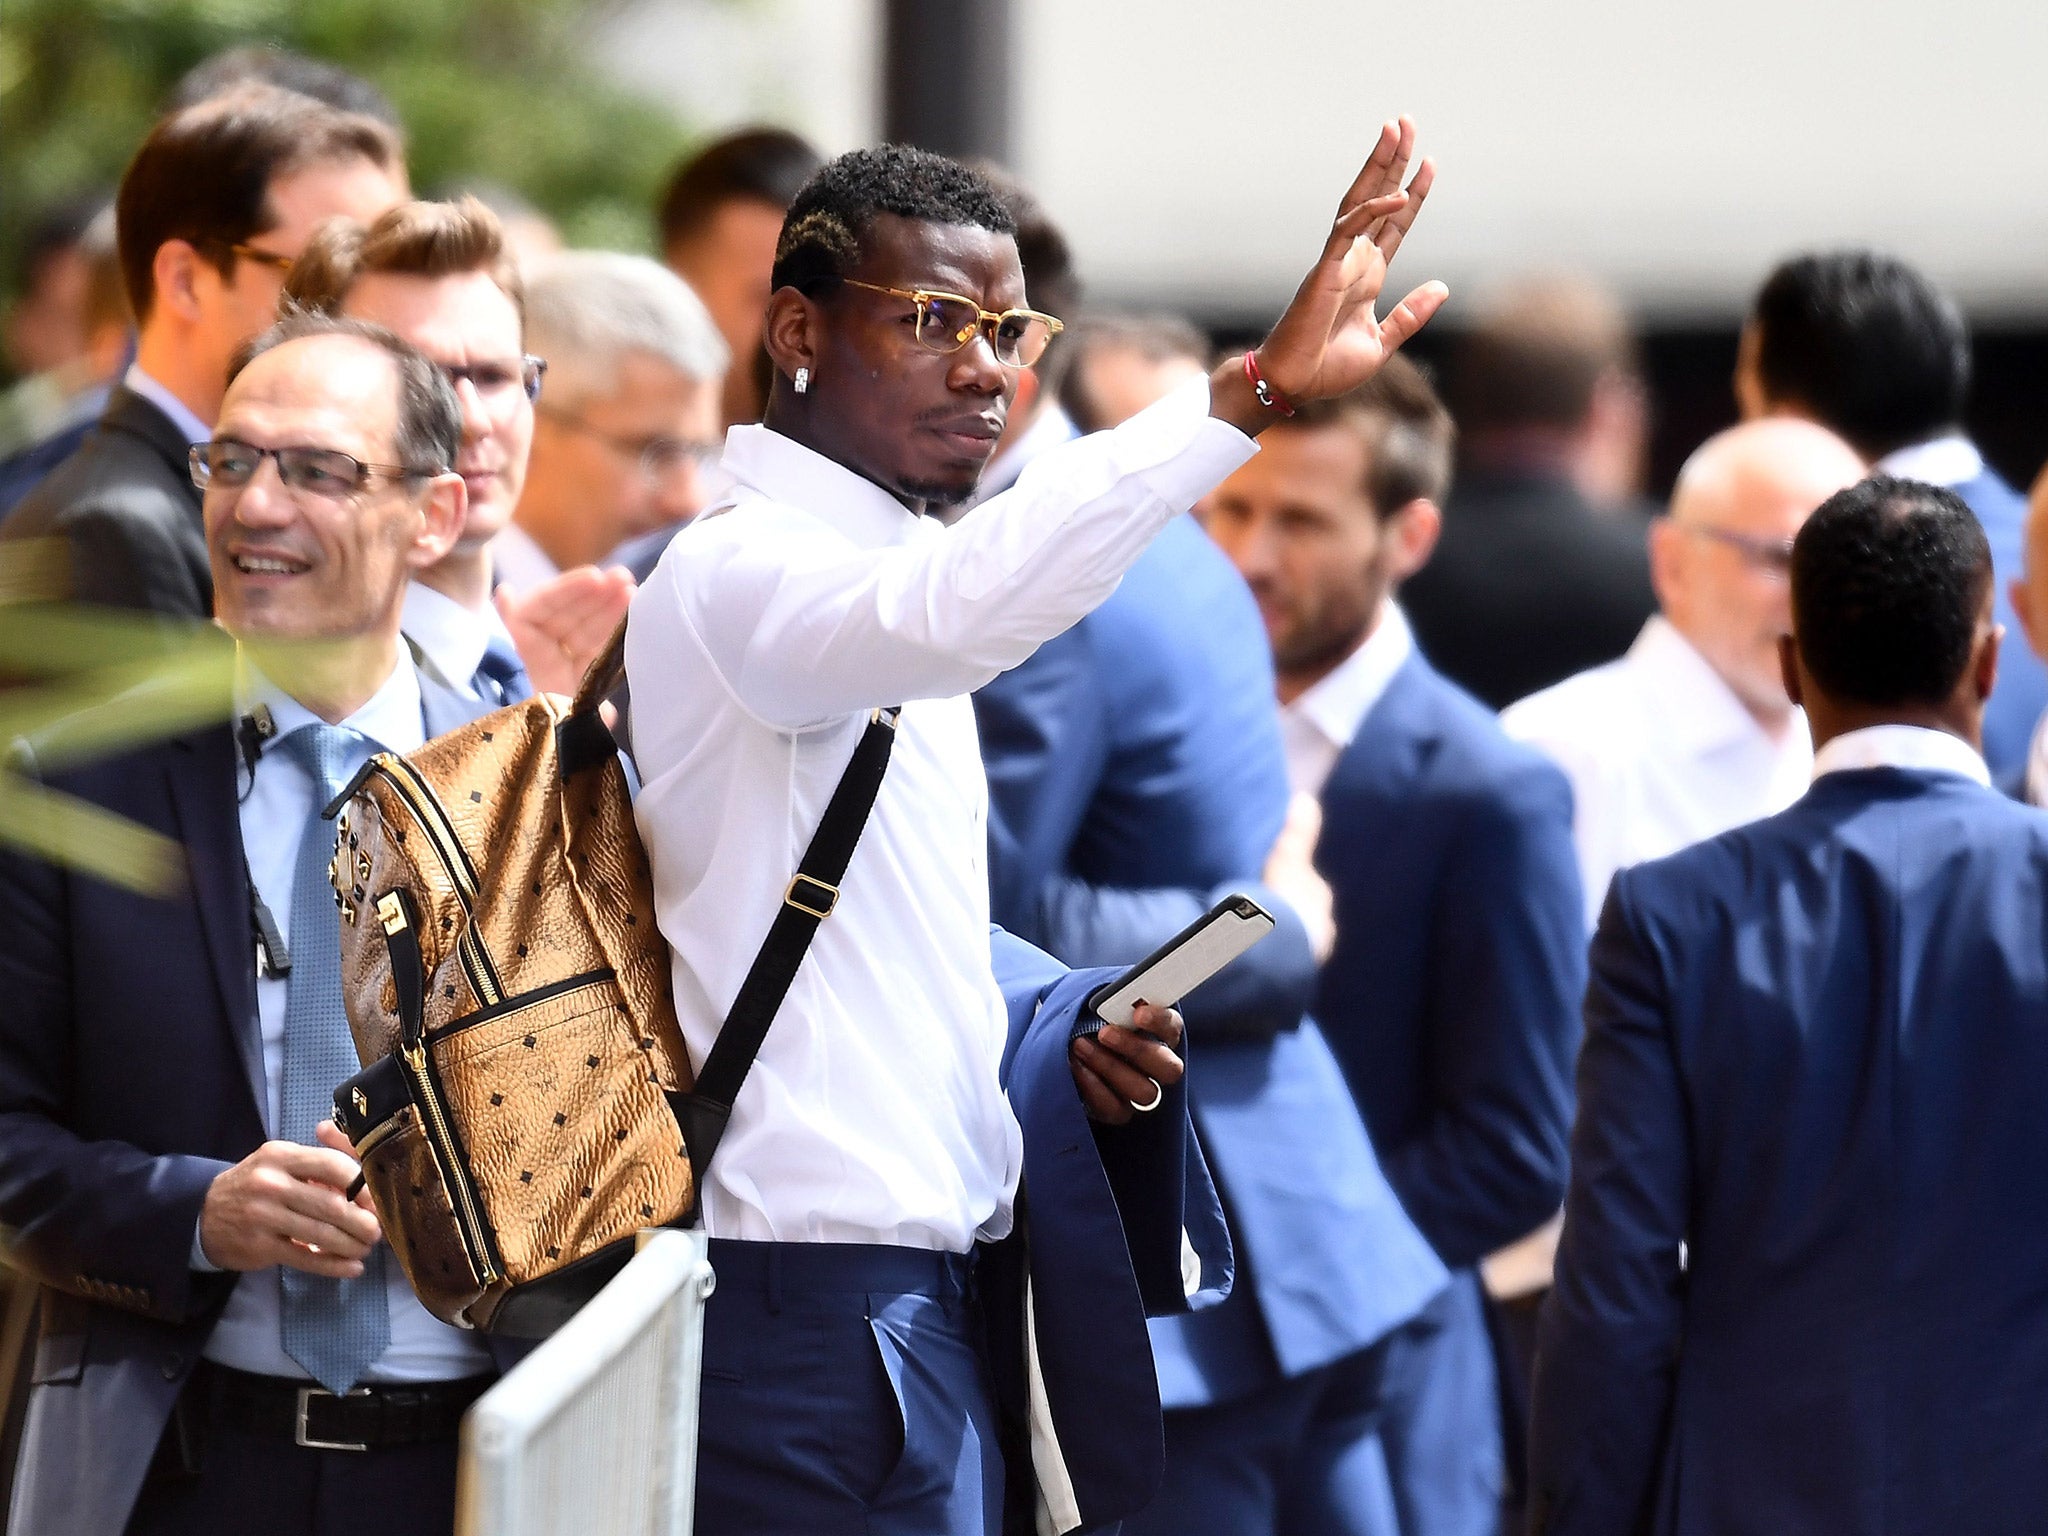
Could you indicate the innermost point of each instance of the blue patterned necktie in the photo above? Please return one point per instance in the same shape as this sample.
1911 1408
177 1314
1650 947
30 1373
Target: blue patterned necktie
335 1329
501 676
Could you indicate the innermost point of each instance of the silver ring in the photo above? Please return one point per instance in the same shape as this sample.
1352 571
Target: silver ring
1158 1097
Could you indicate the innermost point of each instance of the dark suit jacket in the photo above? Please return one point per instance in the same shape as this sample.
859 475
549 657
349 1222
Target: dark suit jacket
1452 998
1108 1214
1816 1050
1529 584
2022 691
131 1074
1135 771
126 506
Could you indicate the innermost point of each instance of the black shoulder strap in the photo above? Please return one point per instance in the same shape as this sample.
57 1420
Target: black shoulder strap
808 900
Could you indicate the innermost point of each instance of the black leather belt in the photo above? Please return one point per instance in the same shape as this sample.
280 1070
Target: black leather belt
371 1417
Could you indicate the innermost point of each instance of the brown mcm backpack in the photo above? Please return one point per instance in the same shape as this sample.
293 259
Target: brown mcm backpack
526 1105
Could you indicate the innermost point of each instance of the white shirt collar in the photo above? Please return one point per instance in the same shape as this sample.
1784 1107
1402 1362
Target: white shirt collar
1697 710
1053 427
518 561
451 637
1338 704
1949 461
784 470
195 430
390 718
1901 746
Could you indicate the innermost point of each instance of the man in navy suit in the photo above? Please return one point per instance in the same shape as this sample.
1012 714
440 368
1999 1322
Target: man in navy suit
1869 348
1806 1242
1451 997
208 1292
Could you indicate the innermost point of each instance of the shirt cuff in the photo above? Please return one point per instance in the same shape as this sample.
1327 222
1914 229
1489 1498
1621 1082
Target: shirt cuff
199 1263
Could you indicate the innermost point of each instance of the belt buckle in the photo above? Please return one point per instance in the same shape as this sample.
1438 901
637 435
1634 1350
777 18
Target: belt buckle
299 1432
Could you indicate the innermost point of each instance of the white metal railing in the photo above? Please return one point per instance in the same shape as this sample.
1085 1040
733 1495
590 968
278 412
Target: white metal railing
595 1432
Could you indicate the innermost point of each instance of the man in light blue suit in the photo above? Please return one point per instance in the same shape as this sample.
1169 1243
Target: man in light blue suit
1451 998
1806 1243
1869 348
1135 774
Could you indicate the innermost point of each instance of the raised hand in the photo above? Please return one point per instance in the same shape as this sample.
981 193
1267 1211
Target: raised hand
561 625
1331 338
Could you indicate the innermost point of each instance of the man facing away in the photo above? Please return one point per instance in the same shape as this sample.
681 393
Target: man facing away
1691 732
441 276
872 1146
1451 996
1806 1242
1865 345
211 211
1540 570
209 1294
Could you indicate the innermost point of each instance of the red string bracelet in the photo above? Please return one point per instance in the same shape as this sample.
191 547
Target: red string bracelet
1269 397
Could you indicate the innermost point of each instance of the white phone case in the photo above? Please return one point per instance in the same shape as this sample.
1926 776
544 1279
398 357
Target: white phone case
1223 933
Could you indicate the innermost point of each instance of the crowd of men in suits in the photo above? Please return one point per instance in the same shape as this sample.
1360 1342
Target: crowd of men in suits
1674 870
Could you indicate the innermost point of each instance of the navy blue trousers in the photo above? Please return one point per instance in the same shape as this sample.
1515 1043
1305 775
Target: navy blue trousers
1299 1457
846 1389
1440 1417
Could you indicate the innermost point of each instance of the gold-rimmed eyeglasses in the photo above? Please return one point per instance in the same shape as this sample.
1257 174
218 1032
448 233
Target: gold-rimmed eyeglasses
1771 557
261 257
946 322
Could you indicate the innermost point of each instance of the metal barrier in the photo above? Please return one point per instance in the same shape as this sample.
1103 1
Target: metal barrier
595 1432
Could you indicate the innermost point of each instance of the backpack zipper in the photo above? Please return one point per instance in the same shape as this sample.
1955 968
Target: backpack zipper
396 916
428 814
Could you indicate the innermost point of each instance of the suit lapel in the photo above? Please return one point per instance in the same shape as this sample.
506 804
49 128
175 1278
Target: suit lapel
1393 731
129 412
201 771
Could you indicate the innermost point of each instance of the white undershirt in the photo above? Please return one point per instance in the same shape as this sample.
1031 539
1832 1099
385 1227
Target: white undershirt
1321 720
771 627
1660 753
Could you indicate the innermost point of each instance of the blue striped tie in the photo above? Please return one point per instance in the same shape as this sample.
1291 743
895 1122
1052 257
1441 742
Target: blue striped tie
501 676
335 1329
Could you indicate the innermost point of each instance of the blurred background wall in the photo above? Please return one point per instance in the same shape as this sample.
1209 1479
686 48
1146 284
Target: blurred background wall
1192 148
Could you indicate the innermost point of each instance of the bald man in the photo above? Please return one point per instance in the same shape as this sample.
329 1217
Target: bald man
1691 733
2029 594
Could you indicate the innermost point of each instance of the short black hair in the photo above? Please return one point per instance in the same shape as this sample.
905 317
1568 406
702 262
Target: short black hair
221 72
768 165
831 215
1888 580
1865 344
429 431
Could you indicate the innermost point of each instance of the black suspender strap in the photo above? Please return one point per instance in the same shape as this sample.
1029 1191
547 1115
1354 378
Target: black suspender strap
807 901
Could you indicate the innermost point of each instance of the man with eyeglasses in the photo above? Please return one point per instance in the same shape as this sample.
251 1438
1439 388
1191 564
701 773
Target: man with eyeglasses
1691 733
227 1349
628 431
211 211
872 1161
442 276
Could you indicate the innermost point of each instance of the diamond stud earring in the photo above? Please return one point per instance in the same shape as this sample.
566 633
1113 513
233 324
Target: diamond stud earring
803 380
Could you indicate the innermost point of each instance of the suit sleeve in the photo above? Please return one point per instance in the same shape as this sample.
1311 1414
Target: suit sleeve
100 1219
122 561
1608 1340
1045 742
1506 972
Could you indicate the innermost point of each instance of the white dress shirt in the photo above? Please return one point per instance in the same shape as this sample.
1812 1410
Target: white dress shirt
1318 725
1901 746
450 637
138 382
1946 461
519 561
771 628
1660 753
275 803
